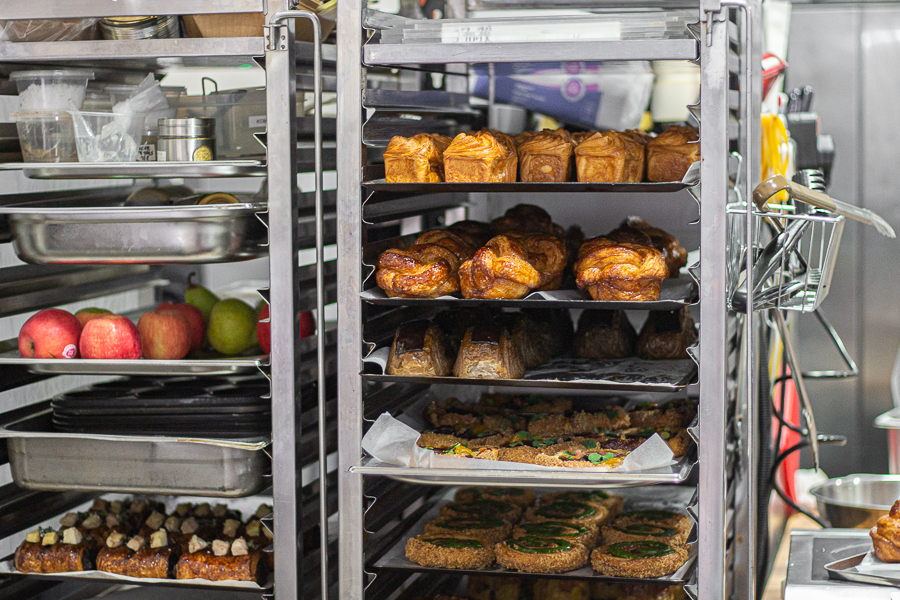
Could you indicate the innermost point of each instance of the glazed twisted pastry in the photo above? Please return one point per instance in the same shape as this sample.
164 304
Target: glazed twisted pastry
672 250
886 535
527 218
547 254
501 269
449 240
622 272
475 233
422 271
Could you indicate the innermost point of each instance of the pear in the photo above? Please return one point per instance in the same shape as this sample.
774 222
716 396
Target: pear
200 297
232 326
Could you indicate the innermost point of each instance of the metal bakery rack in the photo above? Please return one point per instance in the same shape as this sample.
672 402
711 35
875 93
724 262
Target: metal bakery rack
380 503
112 262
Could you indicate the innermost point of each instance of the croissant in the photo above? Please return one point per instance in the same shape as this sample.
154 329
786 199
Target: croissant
422 271
488 352
666 335
545 156
671 153
674 253
475 233
418 159
501 269
480 157
547 254
886 535
604 334
622 272
419 348
609 157
449 240
527 218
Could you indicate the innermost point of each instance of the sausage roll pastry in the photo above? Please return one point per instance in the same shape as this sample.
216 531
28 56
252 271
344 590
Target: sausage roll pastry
488 352
135 558
671 153
541 555
419 159
52 552
609 157
422 271
450 552
449 240
220 561
672 250
28 554
623 272
666 335
475 233
482 156
501 269
638 559
604 334
419 348
545 156
527 218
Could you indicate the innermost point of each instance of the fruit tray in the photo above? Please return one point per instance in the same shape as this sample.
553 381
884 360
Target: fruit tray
246 507
105 232
674 498
42 458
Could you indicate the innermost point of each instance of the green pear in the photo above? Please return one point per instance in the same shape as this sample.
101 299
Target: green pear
200 297
232 326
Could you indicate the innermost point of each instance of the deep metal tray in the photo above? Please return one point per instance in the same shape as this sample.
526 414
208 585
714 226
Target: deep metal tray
139 170
46 460
380 185
395 557
55 233
675 294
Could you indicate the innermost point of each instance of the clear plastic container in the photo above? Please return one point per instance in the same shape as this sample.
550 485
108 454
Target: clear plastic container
107 137
46 136
51 89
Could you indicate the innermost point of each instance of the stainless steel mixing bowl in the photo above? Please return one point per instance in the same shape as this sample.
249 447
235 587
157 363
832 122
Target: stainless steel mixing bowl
856 501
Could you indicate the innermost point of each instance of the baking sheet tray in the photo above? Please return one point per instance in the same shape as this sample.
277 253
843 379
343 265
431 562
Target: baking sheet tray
625 375
139 170
47 460
380 185
395 557
52 233
245 506
675 294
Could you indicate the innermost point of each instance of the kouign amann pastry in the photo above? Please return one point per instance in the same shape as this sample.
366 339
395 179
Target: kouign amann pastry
609 157
670 154
419 159
482 156
546 156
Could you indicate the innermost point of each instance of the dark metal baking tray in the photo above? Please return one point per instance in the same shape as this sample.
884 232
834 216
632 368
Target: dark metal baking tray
675 294
54 232
395 557
845 570
380 185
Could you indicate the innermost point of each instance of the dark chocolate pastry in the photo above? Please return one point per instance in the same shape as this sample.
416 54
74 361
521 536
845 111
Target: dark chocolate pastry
489 352
419 348
604 334
666 335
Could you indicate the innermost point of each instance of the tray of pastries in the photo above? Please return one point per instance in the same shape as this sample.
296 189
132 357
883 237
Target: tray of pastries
541 348
148 540
546 161
524 256
641 537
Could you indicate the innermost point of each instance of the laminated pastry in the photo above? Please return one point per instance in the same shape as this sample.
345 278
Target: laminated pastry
475 233
639 532
523 497
604 334
454 323
638 559
612 502
609 157
562 589
422 271
576 513
579 534
482 509
487 529
500 269
885 536
533 338
449 240
662 518
491 587
419 348
66 558
640 139
206 564
580 136
547 254
666 335
620 272
488 352
482 156
146 562
541 554
671 153
546 156
419 159
523 219
678 439
672 250
28 555
449 552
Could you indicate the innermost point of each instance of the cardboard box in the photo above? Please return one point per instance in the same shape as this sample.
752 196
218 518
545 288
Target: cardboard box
245 25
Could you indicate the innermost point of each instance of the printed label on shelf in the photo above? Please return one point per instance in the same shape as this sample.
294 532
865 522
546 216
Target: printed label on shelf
463 33
258 121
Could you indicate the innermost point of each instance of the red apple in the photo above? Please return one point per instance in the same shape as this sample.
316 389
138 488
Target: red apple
307 324
165 335
264 330
194 318
50 333
86 314
111 337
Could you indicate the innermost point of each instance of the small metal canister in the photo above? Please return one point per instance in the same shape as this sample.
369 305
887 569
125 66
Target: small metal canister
186 140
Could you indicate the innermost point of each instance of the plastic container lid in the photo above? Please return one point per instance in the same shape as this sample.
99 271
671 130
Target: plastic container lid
53 73
40 115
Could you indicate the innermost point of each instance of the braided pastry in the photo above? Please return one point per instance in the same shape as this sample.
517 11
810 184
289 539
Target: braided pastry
547 254
501 269
668 244
475 233
886 535
619 272
422 271
527 218
449 240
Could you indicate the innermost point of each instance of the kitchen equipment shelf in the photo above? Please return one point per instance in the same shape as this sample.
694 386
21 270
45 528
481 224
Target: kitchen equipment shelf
144 50
60 9
380 185
140 170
